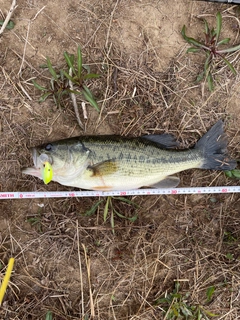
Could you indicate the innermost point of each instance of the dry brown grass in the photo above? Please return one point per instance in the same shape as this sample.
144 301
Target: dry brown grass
72 264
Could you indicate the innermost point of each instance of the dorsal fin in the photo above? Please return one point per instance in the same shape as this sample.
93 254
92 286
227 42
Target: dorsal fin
165 140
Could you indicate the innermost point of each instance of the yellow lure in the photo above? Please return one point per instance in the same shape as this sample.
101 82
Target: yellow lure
6 279
47 172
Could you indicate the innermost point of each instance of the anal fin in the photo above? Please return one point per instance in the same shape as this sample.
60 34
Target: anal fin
168 182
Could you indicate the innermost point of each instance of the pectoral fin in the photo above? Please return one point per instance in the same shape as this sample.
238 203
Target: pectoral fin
103 168
169 182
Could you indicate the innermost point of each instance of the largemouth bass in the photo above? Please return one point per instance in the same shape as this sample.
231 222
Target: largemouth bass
117 163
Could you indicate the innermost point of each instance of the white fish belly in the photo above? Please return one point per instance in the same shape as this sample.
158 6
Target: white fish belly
128 178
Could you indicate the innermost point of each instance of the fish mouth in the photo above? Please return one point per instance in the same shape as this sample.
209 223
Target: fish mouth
38 160
34 156
33 171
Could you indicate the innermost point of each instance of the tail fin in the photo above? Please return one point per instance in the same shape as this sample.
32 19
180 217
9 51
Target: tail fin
213 146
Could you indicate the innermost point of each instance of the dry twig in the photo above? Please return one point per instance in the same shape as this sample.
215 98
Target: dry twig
8 17
74 101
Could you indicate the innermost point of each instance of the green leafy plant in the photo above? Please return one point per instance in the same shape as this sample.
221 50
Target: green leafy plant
229 237
9 26
36 221
49 315
71 80
229 256
58 86
211 49
176 305
93 209
233 173
110 210
210 292
79 76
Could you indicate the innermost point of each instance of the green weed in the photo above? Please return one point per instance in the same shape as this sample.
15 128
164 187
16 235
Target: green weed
210 292
49 315
36 221
10 24
60 86
233 173
229 256
93 209
110 210
176 305
211 49
229 238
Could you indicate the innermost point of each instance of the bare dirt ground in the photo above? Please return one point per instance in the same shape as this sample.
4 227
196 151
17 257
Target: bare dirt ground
71 264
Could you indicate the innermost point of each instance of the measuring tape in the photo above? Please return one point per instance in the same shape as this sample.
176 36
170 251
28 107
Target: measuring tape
135 192
223 1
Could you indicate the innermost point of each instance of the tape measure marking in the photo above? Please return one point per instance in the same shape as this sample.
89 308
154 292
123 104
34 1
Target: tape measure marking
135 192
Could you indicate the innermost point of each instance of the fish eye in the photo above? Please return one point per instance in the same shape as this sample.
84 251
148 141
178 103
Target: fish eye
48 147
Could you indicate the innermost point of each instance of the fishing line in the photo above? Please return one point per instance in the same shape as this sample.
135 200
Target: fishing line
135 192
